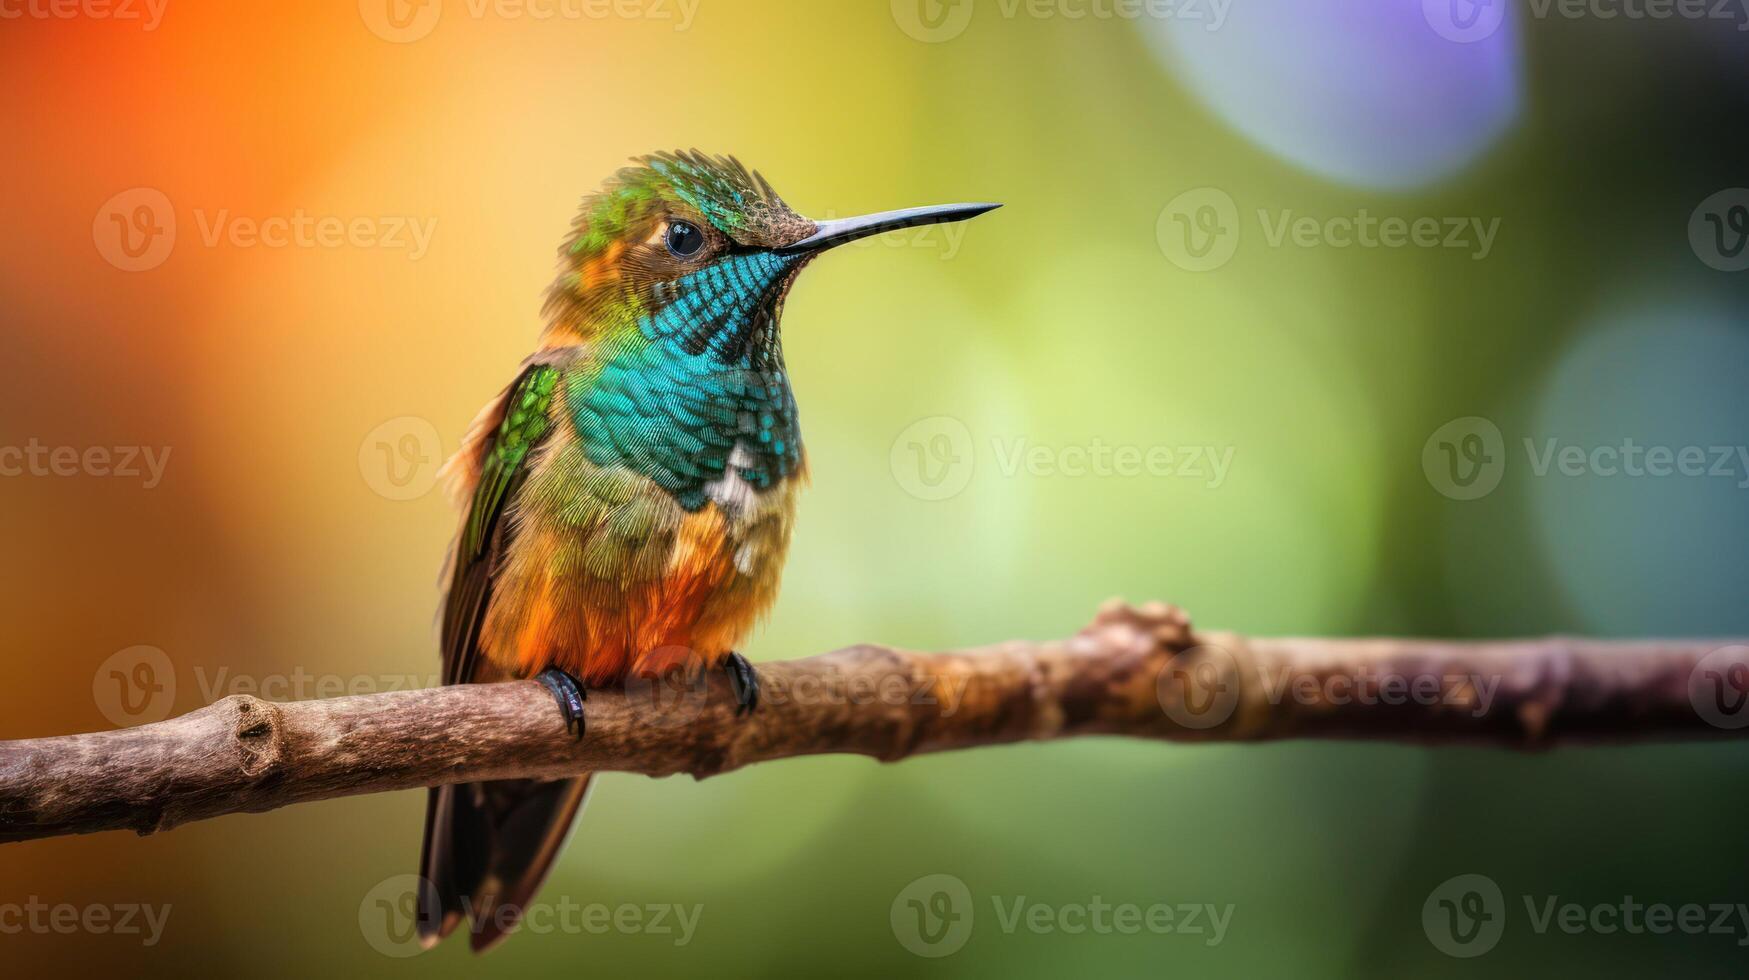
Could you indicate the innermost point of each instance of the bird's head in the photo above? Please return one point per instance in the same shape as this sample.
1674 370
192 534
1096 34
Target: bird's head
698 253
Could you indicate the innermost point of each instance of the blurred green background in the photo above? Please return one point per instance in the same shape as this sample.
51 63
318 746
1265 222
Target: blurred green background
1139 289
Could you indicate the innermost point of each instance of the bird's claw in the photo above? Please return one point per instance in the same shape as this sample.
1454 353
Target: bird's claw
743 681
570 695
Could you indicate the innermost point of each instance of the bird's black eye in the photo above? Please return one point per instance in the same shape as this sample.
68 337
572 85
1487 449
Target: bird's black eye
684 240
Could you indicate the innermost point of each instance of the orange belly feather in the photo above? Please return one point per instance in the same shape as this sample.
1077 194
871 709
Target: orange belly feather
721 576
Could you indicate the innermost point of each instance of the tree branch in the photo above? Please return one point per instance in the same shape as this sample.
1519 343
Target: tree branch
1140 673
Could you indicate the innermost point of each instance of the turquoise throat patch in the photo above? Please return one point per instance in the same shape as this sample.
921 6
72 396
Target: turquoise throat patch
711 376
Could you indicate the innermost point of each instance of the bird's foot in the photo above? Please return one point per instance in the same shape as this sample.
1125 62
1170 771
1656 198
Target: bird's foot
743 681
569 693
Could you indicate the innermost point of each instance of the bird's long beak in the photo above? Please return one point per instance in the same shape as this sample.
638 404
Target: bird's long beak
832 233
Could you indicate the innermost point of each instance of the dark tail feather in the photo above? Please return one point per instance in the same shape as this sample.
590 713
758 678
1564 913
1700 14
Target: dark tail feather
488 848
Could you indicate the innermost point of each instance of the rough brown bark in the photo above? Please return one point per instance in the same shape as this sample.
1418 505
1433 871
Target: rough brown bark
1134 672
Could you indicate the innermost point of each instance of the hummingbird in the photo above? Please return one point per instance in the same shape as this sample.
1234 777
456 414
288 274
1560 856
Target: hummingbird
627 501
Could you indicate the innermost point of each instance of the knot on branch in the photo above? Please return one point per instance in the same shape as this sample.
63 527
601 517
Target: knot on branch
257 730
1166 628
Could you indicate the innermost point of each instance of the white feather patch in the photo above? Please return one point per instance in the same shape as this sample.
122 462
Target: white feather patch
732 493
